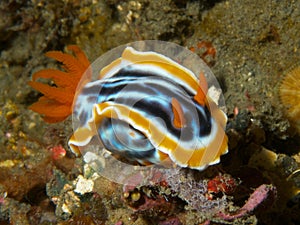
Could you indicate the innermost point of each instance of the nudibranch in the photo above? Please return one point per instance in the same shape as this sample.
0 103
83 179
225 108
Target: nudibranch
148 109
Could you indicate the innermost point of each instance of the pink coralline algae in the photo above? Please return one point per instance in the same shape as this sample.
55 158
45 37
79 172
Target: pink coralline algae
150 202
179 187
198 193
171 221
260 195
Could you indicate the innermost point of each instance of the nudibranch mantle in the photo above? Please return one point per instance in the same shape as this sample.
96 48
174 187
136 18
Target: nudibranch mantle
146 108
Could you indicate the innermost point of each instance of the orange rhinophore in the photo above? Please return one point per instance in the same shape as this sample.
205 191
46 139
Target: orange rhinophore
56 103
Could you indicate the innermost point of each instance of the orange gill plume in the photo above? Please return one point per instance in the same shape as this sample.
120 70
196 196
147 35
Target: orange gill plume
56 103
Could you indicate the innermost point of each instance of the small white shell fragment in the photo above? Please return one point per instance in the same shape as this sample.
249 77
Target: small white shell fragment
83 185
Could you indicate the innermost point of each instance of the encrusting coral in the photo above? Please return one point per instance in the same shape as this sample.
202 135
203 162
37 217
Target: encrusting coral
56 104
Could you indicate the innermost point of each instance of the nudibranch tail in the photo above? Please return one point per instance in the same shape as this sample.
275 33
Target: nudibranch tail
149 109
56 103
